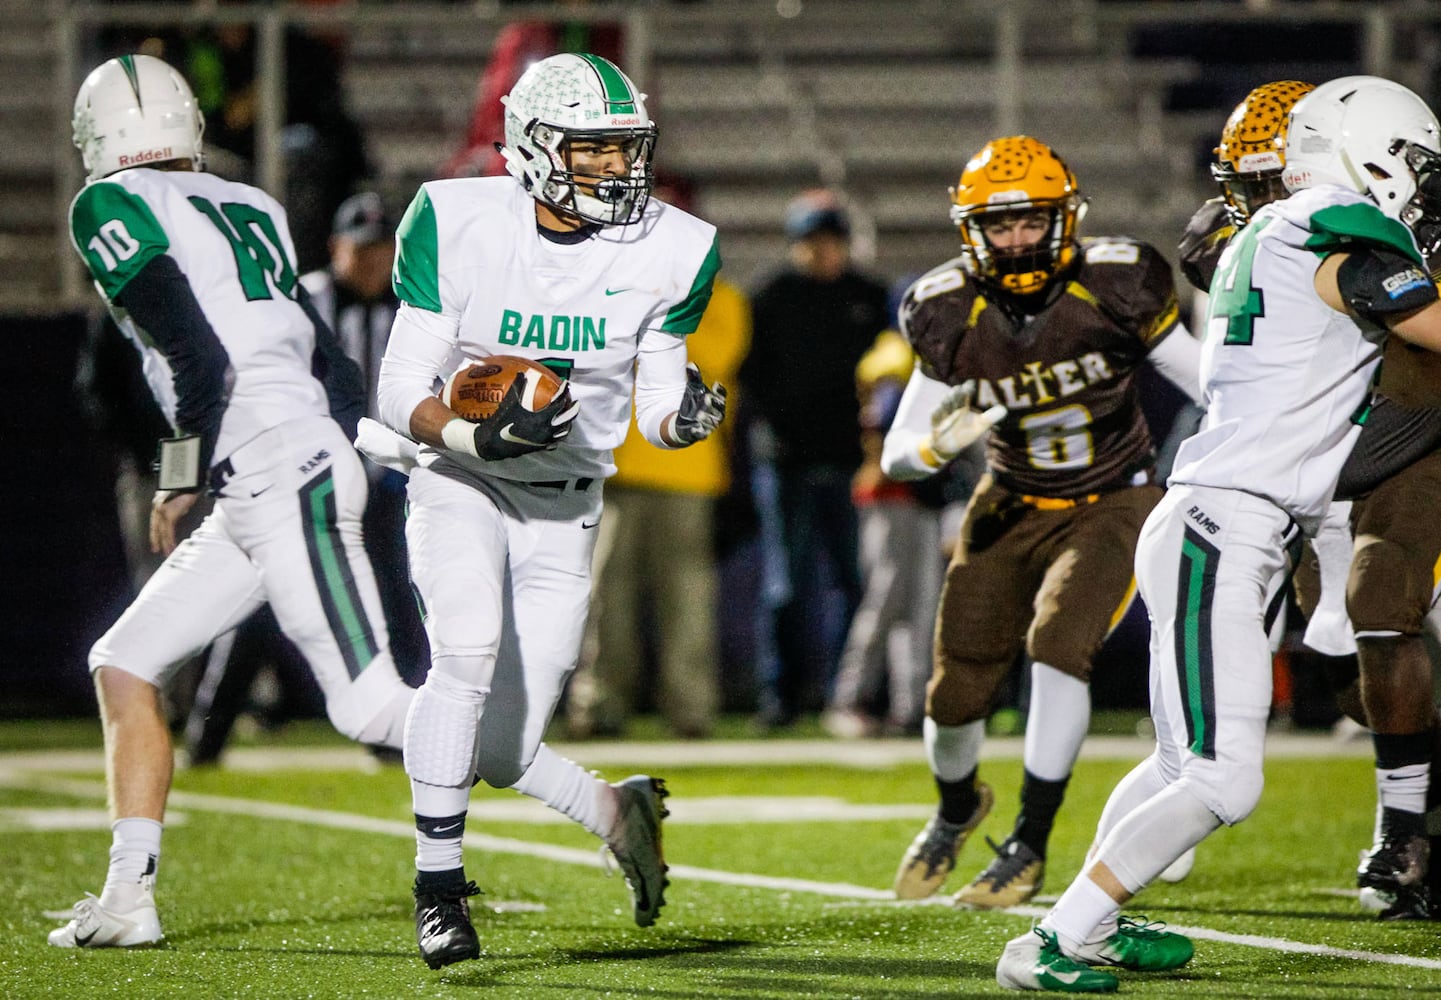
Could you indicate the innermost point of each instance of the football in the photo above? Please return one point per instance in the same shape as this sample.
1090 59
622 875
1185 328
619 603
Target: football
477 387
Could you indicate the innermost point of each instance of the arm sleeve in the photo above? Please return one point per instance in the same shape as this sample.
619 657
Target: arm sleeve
659 383
1203 242
1377 281
1178 357
344 385
159 299
421 342
901 454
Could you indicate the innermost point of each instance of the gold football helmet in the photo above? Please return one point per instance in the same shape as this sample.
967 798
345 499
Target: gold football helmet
1011 176
1253 148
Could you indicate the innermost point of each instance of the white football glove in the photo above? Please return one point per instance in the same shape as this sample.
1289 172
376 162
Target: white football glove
955 426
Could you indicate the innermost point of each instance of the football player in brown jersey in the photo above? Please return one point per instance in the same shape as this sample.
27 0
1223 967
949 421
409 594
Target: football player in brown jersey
1038 336
1377 609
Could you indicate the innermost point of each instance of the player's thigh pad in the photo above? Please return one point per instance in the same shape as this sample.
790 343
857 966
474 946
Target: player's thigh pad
985 606
458 536
544 619
1398 543
294 503
1209 565
206 587
1090 578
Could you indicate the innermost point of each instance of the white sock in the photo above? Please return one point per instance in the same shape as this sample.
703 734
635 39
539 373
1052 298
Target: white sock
1154 834
1082 909
1056 723
953 751
134 853
570 790
1404 787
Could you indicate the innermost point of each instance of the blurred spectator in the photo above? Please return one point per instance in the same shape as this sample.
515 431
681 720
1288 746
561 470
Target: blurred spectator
323 147
660 589
517 45
886 662
813 320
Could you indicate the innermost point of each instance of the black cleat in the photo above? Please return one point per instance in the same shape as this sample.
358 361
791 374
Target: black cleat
442 925
1392 877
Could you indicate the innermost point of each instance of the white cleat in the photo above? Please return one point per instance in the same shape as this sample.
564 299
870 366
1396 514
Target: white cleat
636 843
97 926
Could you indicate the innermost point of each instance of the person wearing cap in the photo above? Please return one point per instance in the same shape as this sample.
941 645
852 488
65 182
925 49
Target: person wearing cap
813 320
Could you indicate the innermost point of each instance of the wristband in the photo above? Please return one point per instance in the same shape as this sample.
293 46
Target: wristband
459 435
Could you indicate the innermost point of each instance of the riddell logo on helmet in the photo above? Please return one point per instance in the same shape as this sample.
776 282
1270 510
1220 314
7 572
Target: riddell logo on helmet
148 156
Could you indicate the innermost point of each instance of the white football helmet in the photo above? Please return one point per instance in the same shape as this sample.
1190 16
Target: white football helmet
1367 134
568 98
133 111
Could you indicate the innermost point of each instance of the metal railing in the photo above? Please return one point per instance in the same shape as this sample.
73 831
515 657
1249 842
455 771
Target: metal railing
750 27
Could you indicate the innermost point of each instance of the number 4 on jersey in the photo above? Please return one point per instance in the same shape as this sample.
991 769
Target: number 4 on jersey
1232 294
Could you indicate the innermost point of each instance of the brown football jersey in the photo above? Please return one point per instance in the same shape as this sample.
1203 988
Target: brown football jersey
1066 374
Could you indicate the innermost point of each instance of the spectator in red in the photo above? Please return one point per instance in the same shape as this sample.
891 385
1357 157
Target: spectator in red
519 44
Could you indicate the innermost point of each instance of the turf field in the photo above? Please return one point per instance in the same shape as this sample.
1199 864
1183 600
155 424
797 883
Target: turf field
286 874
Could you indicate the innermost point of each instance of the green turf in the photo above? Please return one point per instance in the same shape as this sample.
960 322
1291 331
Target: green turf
279 908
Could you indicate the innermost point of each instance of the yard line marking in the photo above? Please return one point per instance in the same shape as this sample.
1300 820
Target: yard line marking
867 754
595 859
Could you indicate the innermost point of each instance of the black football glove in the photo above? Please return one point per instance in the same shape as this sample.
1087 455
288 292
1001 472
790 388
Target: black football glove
701 410
512 430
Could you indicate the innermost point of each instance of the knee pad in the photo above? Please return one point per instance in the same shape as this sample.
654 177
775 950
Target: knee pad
372 708
1229 791
1389 589
959 693
440 733
1057 647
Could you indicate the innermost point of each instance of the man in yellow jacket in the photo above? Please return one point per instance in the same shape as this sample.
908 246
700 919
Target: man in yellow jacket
672 571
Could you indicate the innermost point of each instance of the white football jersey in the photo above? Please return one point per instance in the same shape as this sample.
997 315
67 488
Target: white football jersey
469 253
1287 380
232 242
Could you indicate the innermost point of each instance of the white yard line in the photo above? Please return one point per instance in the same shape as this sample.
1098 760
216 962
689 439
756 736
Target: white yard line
878 754
14 773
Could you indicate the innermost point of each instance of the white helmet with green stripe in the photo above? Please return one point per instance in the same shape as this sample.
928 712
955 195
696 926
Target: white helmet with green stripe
135 111
567 98
1368 134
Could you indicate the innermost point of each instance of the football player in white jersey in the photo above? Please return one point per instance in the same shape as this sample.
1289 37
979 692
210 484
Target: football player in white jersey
1300 309
569 262
199 273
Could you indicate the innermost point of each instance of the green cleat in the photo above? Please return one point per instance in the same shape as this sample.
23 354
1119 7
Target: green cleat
1142 946
1035 961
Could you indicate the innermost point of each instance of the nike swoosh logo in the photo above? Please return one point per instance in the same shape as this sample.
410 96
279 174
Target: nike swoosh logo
81 942
441 831
584 525
1397 777
616 291
1066 978
258 492
506 435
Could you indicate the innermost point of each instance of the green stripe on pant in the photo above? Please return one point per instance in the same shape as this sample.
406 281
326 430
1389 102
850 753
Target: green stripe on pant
1195 593
339 596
